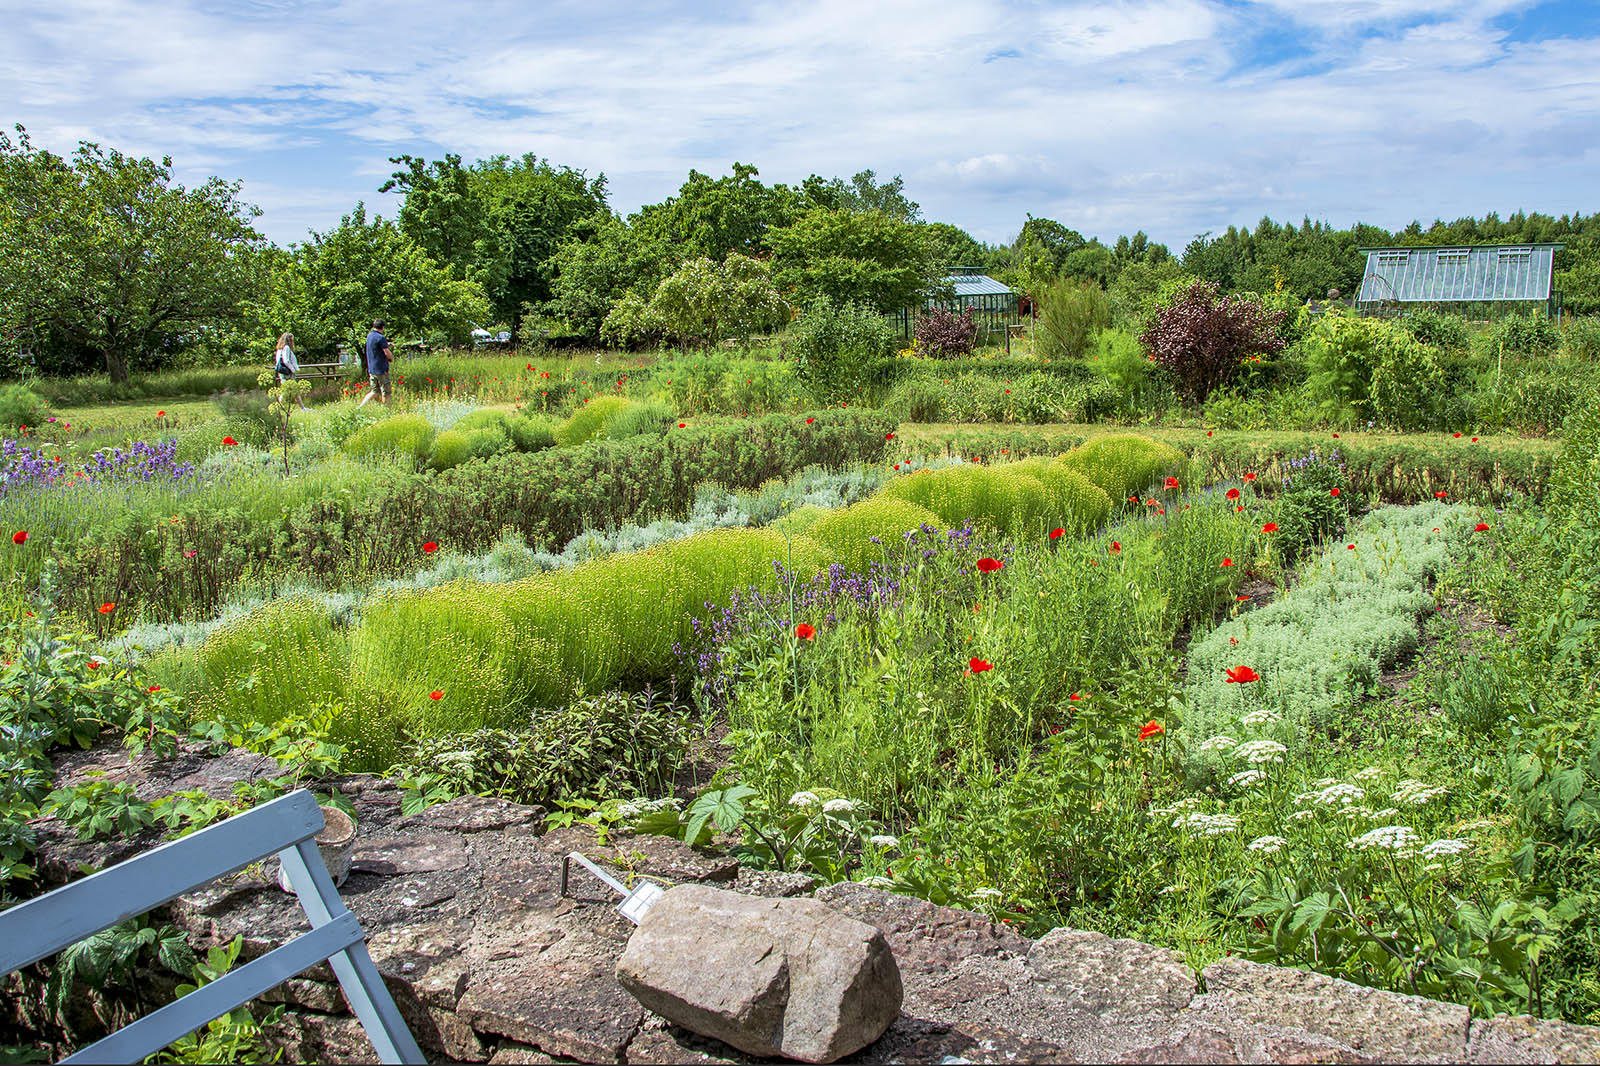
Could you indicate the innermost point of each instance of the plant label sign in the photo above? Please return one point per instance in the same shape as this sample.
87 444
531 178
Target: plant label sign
640 900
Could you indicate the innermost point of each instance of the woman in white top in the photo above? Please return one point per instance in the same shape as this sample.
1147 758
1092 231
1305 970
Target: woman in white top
285 362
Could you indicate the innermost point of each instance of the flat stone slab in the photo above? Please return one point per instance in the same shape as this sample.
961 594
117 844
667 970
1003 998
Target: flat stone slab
1369 1021
474 814
389 856
1094 973
1519 1038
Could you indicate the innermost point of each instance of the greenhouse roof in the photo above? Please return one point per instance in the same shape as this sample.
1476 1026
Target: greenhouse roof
976 285
1458 274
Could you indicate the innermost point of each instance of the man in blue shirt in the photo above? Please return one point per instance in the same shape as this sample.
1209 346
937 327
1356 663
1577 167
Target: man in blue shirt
377 364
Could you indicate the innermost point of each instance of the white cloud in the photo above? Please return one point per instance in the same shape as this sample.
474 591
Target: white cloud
1110 117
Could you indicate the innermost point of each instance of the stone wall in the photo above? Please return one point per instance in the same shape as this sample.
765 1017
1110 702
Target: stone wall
490 963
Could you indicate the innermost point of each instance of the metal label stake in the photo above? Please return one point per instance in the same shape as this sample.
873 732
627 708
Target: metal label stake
634 904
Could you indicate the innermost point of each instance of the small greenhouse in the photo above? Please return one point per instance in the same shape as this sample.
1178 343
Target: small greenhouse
993 305
1482 278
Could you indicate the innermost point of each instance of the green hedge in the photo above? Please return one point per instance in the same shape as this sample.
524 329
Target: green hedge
548 497
1387 467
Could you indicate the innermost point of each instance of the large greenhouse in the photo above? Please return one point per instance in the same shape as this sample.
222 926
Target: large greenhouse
1487 278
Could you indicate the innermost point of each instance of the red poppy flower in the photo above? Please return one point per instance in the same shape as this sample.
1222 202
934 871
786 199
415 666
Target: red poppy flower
155 688
1133 499
1474 440
436 695
1270 527
107 608
1150 502
1239 508
1055 534
1074 696
1456 434
1249 477
430 547
888 436
1227 562
978 666
190 554
1336 436
1208 432
1151 729
1242 675
681 425
1436 529
989 566
1333 492
1161 510
229 441
93 665
1441 494
529 366
1240 598
1481 527
805 631
810 420
1115 547
1232 494
19 536
161 414
1171 482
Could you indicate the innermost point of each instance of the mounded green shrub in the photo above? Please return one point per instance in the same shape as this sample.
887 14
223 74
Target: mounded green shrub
1122 464
450 448
651 416
532 435
19 406
285 657
846 535
1077 504
403 434
590 420
957 494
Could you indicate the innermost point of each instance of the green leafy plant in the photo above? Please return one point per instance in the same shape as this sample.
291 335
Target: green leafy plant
235 1037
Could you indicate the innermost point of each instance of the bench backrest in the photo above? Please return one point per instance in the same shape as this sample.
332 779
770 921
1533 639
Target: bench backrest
287 827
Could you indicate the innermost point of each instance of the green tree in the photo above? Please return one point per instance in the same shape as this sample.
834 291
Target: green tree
592 275
107 254
331 288
863 257
703 302
445 214
952 246
862 193
711 217
533 208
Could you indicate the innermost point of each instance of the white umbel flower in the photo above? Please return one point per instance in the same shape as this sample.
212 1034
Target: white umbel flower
1246 778
884 841
1268 845
986 893
803 799
1261 716
1218 743
1207 825
1370 773
1438 849
1260 751
1396 838
1415 793
838 806
1339 795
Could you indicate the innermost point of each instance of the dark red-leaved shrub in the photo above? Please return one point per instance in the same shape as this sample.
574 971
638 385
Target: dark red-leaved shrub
1205 338
944 333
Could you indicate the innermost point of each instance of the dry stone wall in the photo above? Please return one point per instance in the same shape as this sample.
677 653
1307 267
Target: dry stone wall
489 962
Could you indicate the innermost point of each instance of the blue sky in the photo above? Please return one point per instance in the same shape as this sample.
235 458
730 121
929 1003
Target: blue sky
1175 116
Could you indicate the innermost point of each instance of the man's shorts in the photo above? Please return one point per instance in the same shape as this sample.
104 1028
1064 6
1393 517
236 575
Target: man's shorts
380 383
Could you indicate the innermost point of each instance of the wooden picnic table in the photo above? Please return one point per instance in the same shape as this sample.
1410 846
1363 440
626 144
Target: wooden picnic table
325 371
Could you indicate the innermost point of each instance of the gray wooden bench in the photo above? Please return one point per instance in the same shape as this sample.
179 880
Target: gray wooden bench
287 827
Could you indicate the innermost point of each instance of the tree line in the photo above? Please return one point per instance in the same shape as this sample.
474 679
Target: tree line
111 265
